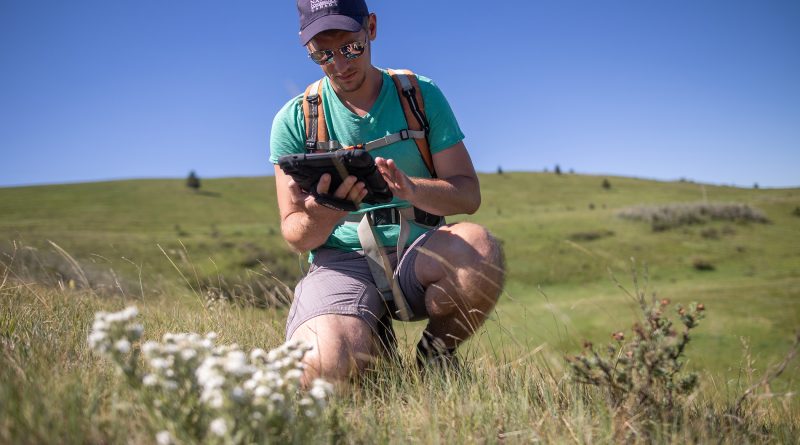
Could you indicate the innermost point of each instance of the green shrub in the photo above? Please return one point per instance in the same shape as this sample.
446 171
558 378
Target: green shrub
702 264
641 376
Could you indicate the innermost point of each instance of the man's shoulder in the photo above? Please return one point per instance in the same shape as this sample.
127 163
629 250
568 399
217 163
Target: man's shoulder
427 86
420 78
291 107
286 135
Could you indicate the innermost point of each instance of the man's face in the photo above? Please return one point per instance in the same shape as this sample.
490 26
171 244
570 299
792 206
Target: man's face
346 75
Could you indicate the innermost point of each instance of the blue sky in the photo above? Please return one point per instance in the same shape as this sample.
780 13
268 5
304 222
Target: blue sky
707 90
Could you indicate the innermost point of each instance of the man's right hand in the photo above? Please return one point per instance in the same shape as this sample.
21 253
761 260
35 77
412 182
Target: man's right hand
305 223
350 189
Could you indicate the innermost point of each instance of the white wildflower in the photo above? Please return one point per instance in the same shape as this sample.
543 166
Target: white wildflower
123 346
158 363
216 400
219 427
164 438
294 374
188 354
262 391
236 363
237 394
130 313
318 393
97 340
135 330
150 347
100 325
257 353
150 380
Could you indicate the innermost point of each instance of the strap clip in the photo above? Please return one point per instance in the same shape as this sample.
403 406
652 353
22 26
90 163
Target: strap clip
404 135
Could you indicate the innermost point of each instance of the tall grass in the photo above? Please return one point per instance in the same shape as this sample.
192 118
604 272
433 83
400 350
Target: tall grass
54 390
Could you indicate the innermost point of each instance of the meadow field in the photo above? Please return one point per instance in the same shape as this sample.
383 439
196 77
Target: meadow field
578 253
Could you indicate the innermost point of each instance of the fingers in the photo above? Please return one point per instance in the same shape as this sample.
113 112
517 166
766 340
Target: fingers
349 189
388 170
297 194
323 184
386 166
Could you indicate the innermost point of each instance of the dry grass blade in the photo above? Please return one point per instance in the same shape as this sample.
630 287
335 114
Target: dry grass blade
194 291
73 263
772 374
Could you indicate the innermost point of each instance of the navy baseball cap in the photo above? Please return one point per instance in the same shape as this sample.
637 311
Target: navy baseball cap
321 15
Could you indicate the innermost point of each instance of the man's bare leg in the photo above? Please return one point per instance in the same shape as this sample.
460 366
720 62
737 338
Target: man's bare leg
461 267
343 346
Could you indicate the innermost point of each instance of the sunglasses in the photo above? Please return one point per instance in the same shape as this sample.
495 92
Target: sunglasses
352 50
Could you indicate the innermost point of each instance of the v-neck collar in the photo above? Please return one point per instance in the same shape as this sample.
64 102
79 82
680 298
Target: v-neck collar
375 106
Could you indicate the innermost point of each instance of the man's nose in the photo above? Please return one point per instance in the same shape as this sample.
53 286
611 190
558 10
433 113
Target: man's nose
340 62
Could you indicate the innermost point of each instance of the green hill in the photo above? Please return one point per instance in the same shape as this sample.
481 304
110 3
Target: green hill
562 235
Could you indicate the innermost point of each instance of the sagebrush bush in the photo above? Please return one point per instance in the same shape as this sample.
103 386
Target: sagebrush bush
670 216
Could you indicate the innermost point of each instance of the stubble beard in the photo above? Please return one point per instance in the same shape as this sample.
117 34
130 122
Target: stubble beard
354 85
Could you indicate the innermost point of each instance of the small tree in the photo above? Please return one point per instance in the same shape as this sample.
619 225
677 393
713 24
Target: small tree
606 184
558 170
193 182
499 170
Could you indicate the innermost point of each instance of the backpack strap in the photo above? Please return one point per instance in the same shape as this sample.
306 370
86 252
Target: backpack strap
314 115
414 109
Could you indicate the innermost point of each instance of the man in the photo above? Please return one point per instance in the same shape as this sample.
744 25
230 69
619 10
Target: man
450 275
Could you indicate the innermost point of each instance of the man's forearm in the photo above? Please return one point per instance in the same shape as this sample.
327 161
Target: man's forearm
452 196
304 233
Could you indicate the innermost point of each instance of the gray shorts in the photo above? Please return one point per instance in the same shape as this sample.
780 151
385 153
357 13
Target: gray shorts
339 282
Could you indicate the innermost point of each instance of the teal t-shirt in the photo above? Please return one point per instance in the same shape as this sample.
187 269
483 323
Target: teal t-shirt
384 118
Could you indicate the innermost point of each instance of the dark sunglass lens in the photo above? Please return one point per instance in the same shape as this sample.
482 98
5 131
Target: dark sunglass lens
353 50
321 57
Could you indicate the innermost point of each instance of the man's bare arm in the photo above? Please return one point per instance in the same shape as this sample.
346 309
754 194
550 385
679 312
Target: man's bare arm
455 191
305 224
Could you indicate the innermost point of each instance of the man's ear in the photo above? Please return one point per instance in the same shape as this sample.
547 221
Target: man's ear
372 26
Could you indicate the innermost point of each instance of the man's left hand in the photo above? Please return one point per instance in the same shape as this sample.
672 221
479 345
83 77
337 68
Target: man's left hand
401 185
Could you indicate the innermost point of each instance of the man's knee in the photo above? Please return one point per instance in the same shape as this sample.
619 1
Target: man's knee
342 347
464 245
466 259
485 245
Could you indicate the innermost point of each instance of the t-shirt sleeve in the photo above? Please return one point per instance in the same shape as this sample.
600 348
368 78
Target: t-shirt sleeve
287 134
445 130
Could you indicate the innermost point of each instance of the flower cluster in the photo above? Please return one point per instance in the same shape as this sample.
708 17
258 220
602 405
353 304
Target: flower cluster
259 388
206 392
171 363
114 334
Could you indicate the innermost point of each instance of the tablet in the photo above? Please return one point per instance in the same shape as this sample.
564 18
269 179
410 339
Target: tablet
307 168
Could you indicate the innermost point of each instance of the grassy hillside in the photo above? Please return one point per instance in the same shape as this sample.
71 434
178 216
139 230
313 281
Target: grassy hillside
68 251
562 236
